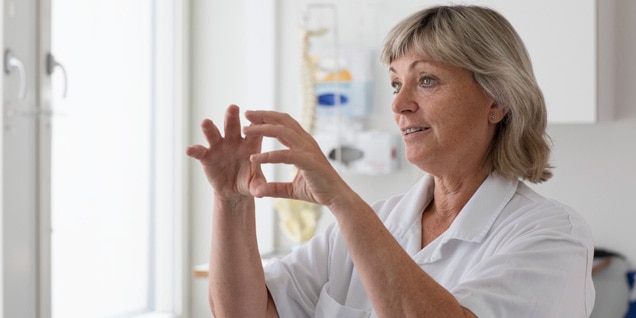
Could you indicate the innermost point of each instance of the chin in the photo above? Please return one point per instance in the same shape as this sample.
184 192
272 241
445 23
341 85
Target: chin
415 160
422 160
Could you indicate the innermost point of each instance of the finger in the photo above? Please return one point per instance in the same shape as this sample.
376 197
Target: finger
273 190
254 142
258 179
196 151
258 117
285 135
232 123
211 132
276 156
301 160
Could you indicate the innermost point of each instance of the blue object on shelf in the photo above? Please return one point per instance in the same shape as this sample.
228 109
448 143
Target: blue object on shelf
329 99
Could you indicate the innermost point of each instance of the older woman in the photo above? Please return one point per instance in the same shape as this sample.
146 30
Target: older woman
468 240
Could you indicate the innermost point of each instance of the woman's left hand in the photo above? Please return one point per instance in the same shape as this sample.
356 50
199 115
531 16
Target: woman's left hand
316 180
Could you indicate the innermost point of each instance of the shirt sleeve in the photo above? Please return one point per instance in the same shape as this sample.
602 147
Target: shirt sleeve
542 272
296 280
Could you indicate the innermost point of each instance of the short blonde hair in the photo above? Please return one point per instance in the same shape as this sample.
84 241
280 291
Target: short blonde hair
482 41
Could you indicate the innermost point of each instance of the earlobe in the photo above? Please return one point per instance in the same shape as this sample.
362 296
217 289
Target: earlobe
496 114
495 117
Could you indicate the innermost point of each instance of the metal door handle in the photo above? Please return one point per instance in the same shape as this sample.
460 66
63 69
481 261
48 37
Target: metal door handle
13 63
51 64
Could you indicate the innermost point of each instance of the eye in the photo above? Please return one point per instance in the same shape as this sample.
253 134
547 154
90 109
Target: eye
427 81
396 87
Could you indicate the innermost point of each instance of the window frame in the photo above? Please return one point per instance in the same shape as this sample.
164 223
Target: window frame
171 114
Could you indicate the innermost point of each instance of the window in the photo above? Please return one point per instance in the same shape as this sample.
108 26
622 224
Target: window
115 170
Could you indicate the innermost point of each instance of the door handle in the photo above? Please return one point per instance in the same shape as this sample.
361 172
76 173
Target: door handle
11 63
51 64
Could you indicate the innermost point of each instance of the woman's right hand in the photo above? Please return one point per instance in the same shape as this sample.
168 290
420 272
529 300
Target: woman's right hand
226 160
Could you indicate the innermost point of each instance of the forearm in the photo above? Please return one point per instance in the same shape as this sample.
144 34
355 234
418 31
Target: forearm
236 282
395 284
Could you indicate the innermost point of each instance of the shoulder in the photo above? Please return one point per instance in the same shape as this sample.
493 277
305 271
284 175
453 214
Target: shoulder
384 207
413 200
531 213
544 250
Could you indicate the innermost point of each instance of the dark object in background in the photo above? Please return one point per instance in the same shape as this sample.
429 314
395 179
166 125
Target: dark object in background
348 154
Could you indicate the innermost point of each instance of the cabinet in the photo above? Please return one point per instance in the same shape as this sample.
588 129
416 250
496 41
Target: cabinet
570 42
571 46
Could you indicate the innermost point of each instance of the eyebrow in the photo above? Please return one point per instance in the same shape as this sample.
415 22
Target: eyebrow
411 67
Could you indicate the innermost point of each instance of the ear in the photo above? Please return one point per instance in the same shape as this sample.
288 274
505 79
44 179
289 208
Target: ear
496 113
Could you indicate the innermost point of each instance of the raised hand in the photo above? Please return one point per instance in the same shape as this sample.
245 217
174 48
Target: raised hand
316 180
226 160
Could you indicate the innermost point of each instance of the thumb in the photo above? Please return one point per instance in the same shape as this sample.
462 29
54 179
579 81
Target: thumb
257 181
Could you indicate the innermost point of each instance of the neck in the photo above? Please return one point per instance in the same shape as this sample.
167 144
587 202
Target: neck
452 193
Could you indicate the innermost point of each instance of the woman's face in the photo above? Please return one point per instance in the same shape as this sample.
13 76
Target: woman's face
443 114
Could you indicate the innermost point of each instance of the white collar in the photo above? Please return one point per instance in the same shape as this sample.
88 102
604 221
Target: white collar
472 223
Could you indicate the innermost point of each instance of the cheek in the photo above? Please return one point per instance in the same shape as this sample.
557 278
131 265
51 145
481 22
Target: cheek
471 111
462 122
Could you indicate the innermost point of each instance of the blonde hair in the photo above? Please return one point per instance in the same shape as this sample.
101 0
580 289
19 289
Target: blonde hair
482 41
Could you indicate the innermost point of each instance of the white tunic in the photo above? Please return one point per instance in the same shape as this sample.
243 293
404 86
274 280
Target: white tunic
509 253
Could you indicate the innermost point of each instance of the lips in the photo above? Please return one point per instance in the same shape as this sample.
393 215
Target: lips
412 130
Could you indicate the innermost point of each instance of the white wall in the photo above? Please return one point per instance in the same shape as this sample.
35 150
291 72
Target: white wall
232 62
595 163
216 81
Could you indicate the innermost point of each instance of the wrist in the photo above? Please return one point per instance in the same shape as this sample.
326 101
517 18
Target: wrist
234 199
344 201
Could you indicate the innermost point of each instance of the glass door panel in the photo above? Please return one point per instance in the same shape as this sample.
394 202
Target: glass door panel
101 176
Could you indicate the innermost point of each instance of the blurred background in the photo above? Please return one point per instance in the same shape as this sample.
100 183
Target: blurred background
103 215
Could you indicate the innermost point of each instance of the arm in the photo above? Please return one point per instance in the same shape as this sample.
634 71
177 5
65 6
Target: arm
396 285
237 283
380 261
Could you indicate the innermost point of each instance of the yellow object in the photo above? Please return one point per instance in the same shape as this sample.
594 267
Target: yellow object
298 219
342 76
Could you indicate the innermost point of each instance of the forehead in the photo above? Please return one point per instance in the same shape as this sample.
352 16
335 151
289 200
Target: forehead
413 61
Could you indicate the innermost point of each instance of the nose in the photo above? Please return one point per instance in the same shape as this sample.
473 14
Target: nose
404 101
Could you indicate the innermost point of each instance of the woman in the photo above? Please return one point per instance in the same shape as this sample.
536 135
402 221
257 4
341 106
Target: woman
468 240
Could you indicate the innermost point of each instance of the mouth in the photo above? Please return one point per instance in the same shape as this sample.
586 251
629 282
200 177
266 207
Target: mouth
413 130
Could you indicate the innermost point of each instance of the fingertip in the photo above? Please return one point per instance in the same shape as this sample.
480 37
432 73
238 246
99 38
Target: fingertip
206 122
190 151
195 151
233 108
258 191
250 115
207 127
